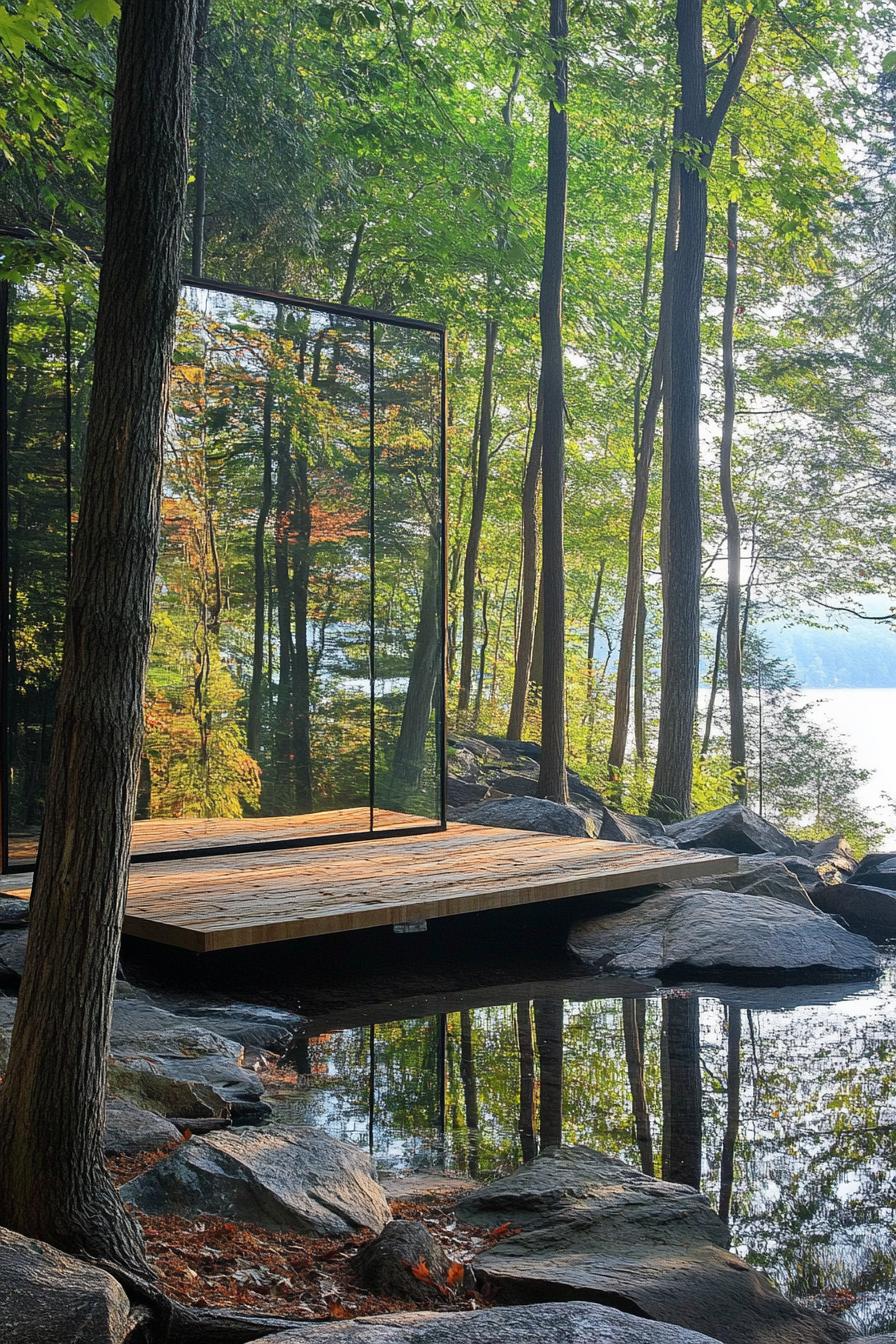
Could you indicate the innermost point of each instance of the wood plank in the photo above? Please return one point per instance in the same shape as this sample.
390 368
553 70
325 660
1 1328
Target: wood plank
213 902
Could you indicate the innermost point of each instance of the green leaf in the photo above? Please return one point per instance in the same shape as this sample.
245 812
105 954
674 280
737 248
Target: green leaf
101 11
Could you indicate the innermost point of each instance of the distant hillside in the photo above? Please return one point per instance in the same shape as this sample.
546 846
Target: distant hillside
862 655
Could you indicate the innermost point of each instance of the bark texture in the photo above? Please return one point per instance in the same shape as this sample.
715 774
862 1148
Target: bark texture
53 1182
552 781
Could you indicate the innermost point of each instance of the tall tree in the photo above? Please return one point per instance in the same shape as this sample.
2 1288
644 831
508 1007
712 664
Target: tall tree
552 781
528 580
733 655
53 1180
482 450
700 127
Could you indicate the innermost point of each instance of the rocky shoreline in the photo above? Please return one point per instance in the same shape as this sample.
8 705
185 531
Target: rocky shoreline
590 1250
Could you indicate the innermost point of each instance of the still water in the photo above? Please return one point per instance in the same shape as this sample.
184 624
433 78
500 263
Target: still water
780 1104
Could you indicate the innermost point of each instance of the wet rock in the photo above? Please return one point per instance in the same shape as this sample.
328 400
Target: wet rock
130 1129
47 1297
539 1323
734 828
284 1177
13 912
866 909
595 1228
405 1261
531 814
833 859
255 1027
707 934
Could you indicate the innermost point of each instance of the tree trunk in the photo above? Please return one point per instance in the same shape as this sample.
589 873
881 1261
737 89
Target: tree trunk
673 775
640 723
53 1181
528 1146
732 521
259 559
633 1036
732 1116
592 624
549 1034
644 446
423 679
528 581
714 684
682 1091
200 66
474 537
552 781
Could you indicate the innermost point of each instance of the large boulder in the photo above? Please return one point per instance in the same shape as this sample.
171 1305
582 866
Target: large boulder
876 870
47 1297
463 792
734 828
171 1097
531 814
130 1129
539 1323
634 830
284 1177
866 909
757 875
255 1028
593 1227
147 1038
706 934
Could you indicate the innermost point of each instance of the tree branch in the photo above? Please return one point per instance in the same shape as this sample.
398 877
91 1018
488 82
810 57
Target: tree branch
733 79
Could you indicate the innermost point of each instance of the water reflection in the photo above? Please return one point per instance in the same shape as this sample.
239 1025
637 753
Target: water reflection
783 1117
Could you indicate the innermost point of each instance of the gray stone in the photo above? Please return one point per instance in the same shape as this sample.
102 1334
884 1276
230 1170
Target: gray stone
13 912
880 861
873 1339
155 1091
13 945
130 1129
593 1227
540 1323
531 814
734 828
284 1177
866 909
254 1026
833 859
715 934
757 875
47 1297
462 792
636 830
146 1038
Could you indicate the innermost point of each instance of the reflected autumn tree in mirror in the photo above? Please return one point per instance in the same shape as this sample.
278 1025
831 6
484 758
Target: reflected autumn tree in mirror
295 670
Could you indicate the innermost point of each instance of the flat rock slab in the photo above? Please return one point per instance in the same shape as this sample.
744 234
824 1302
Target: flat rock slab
541 1323
595 1228
867 909
47 1297
283 1177
531 814
723 935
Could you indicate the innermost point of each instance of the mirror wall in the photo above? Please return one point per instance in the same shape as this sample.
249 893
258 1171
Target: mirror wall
295 687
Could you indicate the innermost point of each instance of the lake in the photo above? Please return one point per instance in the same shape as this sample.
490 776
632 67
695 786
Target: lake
867 718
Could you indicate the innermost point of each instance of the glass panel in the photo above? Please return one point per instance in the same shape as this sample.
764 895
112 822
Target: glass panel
257 702
407 633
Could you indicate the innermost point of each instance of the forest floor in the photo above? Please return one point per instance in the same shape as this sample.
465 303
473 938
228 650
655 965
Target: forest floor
212 1262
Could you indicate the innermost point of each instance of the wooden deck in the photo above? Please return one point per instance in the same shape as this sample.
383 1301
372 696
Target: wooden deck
161 837
209 903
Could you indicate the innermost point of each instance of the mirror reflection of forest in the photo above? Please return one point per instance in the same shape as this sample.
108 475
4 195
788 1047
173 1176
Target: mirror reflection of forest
297 615
783 1118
